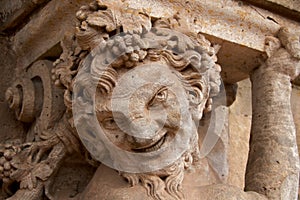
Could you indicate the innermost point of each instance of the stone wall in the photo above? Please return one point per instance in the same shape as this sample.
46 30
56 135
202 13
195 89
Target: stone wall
296 111
239 132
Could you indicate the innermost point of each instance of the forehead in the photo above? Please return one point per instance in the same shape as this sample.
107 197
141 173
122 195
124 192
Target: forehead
146 74
142 82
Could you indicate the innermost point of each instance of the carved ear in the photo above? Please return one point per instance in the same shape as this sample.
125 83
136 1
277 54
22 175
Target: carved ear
197 99
195 96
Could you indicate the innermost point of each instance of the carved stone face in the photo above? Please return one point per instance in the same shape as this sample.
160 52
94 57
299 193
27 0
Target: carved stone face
137 112
146 110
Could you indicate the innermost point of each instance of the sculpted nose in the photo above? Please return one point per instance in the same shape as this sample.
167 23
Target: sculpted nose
143 128
140 122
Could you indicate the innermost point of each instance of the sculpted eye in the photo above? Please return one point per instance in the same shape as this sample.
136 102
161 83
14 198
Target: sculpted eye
109 123
162 95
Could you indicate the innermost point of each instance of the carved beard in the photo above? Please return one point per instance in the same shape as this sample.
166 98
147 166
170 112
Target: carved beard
165 184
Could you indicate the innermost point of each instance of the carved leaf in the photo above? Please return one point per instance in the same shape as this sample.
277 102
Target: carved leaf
134 21
103 18
41 171
19 173
22 167
27 182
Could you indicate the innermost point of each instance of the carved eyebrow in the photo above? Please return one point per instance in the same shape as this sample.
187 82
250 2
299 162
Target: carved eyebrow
155 93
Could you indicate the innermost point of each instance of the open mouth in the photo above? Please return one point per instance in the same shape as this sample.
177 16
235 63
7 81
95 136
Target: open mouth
153 146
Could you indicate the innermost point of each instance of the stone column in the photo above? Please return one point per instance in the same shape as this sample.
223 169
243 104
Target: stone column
273 162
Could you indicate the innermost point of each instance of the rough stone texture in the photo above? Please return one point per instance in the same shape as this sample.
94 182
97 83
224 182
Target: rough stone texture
10 127
47 28
109 182
71 179
240 114
245 36
290 4
219 21
296 111
273 164
288 8
276 145
13 13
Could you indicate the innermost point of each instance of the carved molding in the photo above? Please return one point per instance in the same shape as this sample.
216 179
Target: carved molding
31 163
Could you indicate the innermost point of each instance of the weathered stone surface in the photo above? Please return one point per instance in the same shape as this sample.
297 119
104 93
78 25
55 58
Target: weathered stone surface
290 4
239 27
13 12
273 164
296 112
47 28
240 114
71 179
10 127
288 8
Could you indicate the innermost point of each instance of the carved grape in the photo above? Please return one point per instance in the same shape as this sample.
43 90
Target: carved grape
7 152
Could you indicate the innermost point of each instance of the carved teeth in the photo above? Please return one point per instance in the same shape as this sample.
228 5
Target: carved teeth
154 147
157 146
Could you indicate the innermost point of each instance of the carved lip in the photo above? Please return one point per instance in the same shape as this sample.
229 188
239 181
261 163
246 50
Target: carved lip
154 145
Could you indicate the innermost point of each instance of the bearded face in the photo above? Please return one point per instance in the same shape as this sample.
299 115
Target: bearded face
152 120
144 112
138 112
149 111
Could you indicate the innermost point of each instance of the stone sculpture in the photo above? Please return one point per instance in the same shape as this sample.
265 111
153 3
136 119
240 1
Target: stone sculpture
134 89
